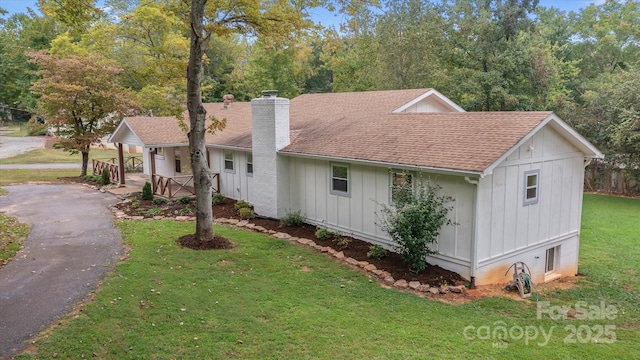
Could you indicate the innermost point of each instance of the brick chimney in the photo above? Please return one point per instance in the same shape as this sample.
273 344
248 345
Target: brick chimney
270 133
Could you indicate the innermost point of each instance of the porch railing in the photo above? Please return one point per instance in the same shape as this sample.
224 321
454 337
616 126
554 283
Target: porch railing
131 163
170 186
100 165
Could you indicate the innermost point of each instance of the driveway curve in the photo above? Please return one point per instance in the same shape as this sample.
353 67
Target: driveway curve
12 146
72 245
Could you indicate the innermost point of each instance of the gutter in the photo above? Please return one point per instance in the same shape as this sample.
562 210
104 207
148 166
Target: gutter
474 237
386 164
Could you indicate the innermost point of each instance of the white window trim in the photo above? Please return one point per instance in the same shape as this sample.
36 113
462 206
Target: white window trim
348 179
249 155
224 162
527 174
550 275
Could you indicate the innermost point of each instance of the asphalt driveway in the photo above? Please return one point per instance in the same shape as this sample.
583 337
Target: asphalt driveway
72 245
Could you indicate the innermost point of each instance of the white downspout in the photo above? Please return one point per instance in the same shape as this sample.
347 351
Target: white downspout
474 237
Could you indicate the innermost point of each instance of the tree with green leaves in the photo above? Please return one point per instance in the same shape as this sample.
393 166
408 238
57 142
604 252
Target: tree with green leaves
80 99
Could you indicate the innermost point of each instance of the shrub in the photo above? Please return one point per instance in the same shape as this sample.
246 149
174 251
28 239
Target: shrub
377 252
105 179
241 204
185 200
415 221
343 242
217 199
323 234
184 211
36 127
57 145
246 213
154 211
294 218
147 192
135 204
159 201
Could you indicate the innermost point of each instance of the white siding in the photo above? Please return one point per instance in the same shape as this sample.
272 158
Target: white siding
507 228
355 215
236 184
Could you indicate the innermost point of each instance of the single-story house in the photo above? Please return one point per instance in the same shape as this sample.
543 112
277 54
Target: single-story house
516 177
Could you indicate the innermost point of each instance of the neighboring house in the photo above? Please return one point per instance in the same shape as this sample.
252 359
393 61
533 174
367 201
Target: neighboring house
516 177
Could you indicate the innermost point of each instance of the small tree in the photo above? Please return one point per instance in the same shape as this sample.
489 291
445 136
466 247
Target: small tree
147 192
415 221
81 99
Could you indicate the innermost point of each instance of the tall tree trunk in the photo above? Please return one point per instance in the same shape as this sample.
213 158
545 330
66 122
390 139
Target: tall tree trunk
85 161
197 116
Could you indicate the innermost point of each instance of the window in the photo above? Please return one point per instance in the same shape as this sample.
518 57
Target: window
531 186
340 179
177 155
551 261
159 154
400 182
249 164
228 161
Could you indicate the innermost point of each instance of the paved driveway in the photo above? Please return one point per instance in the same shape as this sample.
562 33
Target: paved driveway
12 146
71 246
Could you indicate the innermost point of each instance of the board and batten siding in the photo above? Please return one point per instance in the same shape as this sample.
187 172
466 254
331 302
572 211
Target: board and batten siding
510 230
356 214
234 184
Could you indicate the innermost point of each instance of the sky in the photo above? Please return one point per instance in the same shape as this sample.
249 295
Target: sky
325 17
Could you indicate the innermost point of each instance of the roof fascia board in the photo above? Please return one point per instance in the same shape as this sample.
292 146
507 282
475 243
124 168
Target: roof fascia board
430 92
385 164
120 128
567 132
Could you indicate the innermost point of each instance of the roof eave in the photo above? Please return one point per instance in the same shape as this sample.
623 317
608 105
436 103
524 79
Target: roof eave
444 171
565 131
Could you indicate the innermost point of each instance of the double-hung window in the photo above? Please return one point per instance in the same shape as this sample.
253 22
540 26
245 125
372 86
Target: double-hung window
340 179
401 183
249 163
228 161
531 187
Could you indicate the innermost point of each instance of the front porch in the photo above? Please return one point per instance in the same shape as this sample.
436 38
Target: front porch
129 173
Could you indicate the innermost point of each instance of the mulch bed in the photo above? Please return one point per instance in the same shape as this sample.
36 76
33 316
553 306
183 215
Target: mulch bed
357 249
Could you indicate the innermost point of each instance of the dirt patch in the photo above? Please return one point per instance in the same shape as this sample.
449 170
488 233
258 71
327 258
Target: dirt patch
190 241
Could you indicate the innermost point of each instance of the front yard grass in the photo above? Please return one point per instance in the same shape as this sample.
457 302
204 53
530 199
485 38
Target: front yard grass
20 176
12 235
270 299
49 156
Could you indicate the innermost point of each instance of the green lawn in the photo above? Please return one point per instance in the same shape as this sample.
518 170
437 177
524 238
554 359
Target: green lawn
48 156
20 176
269 299
12 235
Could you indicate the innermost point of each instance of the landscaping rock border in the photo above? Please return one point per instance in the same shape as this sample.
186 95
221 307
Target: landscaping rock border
382 276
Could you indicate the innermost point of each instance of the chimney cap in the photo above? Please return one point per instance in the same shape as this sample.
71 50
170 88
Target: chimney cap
269 93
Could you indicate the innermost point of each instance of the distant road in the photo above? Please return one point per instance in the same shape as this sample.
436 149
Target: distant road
12 146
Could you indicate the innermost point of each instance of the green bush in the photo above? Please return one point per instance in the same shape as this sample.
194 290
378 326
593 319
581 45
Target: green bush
147 192
377 252
184 211
105 179
185 200
294 218
323 234
154 211
159 201
241 204
246 213
217 199
343 242
135 204
36 128
57 146
415 221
